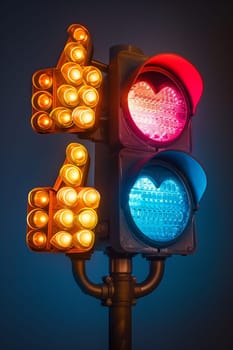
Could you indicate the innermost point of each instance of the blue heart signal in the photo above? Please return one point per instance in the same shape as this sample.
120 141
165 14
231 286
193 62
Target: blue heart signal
160 212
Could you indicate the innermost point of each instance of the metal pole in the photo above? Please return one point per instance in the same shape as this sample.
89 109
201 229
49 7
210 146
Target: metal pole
120 324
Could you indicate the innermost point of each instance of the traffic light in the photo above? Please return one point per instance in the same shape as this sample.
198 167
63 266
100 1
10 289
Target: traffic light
138 110
63 218
156 184
66 98
150 184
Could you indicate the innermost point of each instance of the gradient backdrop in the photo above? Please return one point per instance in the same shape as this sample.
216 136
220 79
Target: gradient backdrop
41 307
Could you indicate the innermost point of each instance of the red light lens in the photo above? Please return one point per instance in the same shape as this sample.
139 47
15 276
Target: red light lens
159 113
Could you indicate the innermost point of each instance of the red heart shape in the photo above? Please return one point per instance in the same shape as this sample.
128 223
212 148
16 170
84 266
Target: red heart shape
159 115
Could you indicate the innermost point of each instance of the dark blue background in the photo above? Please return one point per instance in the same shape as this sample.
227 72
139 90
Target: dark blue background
41 307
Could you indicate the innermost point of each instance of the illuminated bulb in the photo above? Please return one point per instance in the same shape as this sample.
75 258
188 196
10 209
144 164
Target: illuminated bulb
64 218
42 100
83 117
86 218
62 240
41 121
90 197
62 117
77 154
38 198
92 76
37 218
67 196
68 95
72 72
80 34
161 212
39 240
159 115
89 95
45 81
42 80
71 175
75 52
84 239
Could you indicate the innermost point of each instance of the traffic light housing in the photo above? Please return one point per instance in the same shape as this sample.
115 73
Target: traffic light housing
67 98
166 88
63 218
156 184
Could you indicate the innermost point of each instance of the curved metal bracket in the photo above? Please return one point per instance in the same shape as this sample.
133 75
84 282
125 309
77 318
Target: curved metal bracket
105 291
153 279
100 291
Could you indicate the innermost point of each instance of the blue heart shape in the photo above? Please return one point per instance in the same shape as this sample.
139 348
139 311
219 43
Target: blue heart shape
159 211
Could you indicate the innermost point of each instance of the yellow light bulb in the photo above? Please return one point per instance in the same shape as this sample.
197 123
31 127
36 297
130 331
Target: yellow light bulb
88 95
39 240
38 198
72 72
75 52
42 79
84 239
45 81
71 175
68 95
62 117
67 196
86 218
37 218
92 76
41 121
90 197
83 117
81 35
62 240
64 218
76 154
42 100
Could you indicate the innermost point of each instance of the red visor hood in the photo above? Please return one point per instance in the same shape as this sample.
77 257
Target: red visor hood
184 71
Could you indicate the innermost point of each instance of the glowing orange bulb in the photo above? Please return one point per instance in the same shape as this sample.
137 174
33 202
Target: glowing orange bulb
67 196
76 52
44 122
84 239
71 175
80 34
89 95
62 117
38 198
64 218
44 101
39 240
86 218
77 154
90 197
72 72
45 81
41 121
68 95
83 117
92 76
37 218
62 240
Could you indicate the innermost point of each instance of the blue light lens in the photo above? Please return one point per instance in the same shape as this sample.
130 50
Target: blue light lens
160 211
